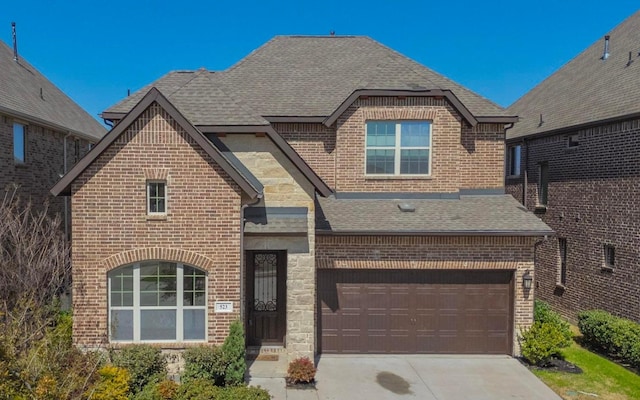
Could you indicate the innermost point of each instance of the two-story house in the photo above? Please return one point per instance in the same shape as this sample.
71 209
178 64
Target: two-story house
574 160
334 195
43 133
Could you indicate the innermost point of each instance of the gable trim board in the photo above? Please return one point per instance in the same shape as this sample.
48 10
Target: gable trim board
64 185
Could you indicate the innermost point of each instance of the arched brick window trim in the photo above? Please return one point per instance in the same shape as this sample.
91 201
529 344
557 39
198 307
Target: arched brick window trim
158 253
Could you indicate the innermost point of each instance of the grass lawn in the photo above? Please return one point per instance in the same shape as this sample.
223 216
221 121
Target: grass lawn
601 377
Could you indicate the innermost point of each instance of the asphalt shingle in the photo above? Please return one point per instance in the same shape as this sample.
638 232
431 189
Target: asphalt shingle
24 91
488 214
587 88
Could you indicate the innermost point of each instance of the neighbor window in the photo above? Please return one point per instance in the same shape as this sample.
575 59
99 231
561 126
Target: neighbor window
77 150
19 143
609 256
562 273
543 183
398 147
157 301
513 160
156 197
573 140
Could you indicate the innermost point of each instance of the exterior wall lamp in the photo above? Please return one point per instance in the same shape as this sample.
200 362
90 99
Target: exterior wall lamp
527 281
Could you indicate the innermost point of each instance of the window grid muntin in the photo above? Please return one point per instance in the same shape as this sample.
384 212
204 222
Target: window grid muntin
137 308
397 148
157 197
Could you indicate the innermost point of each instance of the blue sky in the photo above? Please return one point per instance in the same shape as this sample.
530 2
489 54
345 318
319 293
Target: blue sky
95 51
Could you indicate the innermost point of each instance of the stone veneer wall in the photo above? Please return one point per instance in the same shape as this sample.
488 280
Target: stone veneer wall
284 186
111 227
423 252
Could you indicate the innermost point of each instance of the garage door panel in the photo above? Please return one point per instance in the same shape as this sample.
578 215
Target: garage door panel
386 311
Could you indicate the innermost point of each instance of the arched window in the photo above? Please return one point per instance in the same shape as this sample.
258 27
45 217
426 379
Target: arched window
157 301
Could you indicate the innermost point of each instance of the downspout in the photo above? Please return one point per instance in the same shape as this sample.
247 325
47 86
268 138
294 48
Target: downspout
66 198
242 266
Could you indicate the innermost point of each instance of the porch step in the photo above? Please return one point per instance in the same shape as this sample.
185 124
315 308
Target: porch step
265 353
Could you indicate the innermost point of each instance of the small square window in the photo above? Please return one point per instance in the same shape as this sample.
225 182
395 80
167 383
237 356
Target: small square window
609 256
573 141
513 160
19 143
156 197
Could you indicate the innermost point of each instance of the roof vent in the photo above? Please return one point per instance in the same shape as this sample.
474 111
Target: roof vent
406 207
605 55
15 42
630 59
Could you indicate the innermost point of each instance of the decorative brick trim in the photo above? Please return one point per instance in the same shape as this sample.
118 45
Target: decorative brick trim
156 173
387 113
323 263
158 253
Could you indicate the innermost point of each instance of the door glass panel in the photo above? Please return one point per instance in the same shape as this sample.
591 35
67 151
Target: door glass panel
265 282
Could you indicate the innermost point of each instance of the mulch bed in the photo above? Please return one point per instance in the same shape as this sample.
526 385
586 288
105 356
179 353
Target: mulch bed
555 364
301 385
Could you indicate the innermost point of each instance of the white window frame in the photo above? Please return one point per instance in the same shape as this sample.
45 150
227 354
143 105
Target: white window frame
606 248
562 261
24 143
398 148
511 165
179 307
166 197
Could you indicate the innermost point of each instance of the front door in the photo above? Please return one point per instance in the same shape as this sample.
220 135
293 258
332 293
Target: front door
266 297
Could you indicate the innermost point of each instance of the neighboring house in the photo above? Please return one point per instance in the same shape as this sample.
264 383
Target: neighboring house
334 195
574 160
43 133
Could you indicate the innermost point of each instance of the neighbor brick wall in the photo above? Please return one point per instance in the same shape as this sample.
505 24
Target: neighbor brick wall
462 157
423 252
111 227
593 199
43 166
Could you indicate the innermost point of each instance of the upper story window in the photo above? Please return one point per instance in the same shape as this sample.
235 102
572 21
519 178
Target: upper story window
543 183
609 256
562 273
573 140
156 197
157 301
398 148
513 160
19 143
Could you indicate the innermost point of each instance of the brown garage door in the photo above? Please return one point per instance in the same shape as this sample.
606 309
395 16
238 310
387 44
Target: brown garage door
404 311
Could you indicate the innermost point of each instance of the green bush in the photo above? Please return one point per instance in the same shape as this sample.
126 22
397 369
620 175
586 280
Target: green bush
206 363
242 393
145 364
113 384
541 342
544 314
234 354
614 336
201 389
163 390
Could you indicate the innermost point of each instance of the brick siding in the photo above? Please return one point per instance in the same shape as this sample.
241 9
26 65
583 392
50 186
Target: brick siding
592 200
111 227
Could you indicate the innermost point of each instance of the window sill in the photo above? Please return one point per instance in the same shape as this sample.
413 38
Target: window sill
397 177
513 176
571 149
160 345
159 217
20 164
540 208
560 286
606 268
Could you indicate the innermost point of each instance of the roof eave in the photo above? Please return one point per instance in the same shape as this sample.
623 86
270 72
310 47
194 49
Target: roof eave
448 94
63 186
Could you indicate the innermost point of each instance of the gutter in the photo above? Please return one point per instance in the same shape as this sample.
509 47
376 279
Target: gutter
532 233
66 198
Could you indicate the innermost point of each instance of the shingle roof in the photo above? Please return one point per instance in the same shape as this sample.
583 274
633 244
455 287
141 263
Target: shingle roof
311 77
587 88
20 88
483 214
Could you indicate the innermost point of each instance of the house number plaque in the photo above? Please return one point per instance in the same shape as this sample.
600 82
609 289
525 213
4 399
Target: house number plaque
223 306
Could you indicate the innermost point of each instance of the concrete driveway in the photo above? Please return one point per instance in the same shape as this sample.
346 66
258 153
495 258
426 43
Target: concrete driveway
420 377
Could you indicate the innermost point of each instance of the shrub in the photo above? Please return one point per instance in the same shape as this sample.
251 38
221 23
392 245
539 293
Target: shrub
206 363
544 314
234 354
301 370
541 342
243 393
200 389
113 384
164 390
614 336
145 363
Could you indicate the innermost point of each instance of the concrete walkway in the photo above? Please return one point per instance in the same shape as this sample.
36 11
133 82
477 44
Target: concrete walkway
398 377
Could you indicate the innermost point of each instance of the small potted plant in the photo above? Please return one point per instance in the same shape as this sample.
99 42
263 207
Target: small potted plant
301 373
